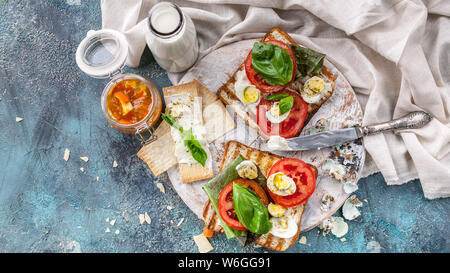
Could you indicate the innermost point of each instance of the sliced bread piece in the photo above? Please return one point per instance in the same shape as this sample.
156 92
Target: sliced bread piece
195 171
265 161
217 122
227 92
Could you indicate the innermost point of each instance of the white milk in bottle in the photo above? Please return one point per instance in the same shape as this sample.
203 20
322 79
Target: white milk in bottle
171 37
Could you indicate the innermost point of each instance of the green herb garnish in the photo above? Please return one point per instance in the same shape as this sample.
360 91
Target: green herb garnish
308 61
250 211
286 101
278 96
272 63
286 104
215 186
194 147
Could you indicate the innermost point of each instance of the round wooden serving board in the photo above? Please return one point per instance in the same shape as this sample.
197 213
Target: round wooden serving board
341 110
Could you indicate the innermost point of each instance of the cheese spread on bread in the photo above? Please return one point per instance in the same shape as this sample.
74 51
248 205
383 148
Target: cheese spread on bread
187 111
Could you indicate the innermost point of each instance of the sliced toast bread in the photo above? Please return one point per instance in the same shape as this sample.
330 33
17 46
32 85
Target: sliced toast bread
226 92
190 172
265 161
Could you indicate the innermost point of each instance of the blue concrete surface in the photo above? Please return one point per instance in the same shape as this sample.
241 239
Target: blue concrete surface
49 205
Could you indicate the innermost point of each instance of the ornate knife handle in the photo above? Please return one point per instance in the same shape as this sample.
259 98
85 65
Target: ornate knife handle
412 120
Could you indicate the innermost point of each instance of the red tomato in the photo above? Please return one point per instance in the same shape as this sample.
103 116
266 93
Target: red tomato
226 209
289 127
304 179
258 81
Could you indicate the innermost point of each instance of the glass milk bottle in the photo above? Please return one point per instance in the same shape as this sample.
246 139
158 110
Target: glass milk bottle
171 37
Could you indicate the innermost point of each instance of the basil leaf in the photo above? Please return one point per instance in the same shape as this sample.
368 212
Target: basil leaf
277 96
272 63
194 147
308 61
250 211
286 104
215 186
172 122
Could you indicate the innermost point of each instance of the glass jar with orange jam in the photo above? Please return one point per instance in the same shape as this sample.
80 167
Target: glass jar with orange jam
130 103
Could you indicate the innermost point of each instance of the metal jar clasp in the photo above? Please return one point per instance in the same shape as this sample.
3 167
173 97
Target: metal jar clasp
146 134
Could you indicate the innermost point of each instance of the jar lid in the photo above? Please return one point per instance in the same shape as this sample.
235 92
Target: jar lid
102 53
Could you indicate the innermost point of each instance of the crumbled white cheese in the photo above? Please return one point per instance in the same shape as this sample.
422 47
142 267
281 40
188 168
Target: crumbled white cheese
66 154
343 239
98 178
181 222
302 240
107 230
141 219
84 158
82 169
115 164
112 222
170 208
202 243
147 218
350 208
160 186
18 119
117 231
107 219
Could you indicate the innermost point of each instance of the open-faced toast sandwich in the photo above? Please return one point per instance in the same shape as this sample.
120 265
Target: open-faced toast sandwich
260 195
279 86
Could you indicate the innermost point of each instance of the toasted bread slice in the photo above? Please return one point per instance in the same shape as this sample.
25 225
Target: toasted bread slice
217 122
265 161
189 172
227 92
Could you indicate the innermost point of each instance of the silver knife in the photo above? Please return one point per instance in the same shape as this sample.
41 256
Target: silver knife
412 120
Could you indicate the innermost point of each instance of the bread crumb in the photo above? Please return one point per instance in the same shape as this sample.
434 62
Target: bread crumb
202 243
66 154
115 164
302 240
161 187
343 239
82 169
147 218
18 119
84 158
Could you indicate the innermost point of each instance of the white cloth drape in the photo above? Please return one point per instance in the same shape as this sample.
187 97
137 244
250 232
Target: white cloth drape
395 54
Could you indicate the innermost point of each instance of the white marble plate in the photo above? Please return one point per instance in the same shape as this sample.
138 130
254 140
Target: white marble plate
340 111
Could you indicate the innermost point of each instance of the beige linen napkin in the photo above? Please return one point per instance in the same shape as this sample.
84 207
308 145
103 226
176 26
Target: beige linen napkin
395 53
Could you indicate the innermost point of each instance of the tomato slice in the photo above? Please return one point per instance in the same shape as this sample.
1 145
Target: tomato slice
304 179
226 209
289 127
257 80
